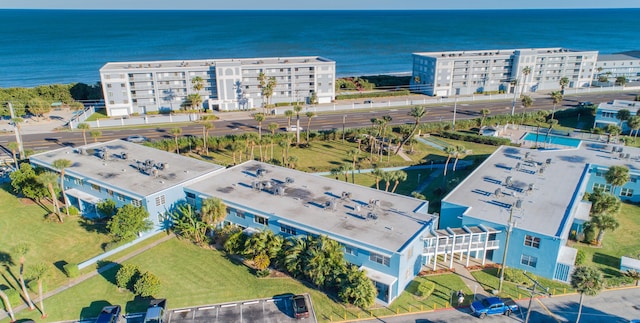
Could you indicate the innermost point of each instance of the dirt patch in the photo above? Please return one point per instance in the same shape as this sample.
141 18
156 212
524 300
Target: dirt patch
26 201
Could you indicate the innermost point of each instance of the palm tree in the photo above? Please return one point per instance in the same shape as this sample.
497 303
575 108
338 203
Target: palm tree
460 152
84 127
284 146
289 114
13 146
213 211
194 100
17 121
353 153
564 82
634 124
613 131
309 115
297 109
484 112
603 203
621 80
95 134
48 179
525 72
259 117
417 113
206 127
617 175
378 173
623 115
450 153
197 83
388 177
272 127
7 305
586 280
604 222
175 132
21 251
39 272
61 165
556 97
292 161
188 225
345 168
295 250
527 102
400 176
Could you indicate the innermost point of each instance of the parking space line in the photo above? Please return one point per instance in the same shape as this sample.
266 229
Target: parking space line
249 303
182 311
229 305
206 308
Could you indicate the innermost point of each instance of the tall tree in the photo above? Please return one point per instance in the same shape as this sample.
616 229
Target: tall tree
175 132
586 280
61 165
289 114
272 127
377 173
7 305
617 175
353 153
634 125
623 115
621 80
95 134
399 176
527 102
484 112
48 179
603 222
84 127
556 97
564 82
21 251
259 117
309 115
460 152
206 127
450 153
297 109
213 211
13 146
187 224
525 72
194 100
128 222
603 203
417 113
39 272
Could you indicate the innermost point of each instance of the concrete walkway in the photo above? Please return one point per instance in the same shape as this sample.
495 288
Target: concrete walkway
468 279
89 275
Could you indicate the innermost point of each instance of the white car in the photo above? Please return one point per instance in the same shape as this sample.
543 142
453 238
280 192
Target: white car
136 138
294 128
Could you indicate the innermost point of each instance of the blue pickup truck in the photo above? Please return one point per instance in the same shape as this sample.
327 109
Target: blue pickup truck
493 306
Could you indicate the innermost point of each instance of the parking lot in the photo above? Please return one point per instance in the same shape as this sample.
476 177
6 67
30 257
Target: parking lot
267 310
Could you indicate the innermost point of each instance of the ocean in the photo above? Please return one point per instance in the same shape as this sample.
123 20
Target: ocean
64 46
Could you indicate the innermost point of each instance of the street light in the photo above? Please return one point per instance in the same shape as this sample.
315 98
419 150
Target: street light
510 224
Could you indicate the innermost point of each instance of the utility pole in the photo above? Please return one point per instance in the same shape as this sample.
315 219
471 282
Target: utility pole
515 93
533 292
17 130
506 243
455 107
344 119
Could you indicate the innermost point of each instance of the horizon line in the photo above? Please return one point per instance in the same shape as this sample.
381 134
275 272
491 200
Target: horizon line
331 9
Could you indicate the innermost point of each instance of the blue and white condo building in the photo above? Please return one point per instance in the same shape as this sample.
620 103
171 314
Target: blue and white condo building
537 195
607 113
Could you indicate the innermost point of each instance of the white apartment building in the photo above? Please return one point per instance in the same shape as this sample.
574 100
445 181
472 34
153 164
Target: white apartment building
500 71
228 84
611 66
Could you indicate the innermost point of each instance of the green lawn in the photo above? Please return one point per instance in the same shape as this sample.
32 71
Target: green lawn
488 279
621 242
99 114
73 241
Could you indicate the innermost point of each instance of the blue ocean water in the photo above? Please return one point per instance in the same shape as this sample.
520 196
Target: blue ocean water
63 46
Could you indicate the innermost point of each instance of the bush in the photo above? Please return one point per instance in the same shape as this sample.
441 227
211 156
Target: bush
110 245
73 211
618 281
425 288
263 273
515 276
127 276
33 285
71 270
147 286
580 257
372 95
495 141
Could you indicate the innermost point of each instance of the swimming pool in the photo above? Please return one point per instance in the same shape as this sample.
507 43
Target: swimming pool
550 139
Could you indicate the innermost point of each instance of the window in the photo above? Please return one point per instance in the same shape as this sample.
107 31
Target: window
288 230
77 181
626 192
349 250
260 220
530 261
531 241
95 187
136 203
603 187
379 259
160 200
120 197
110 192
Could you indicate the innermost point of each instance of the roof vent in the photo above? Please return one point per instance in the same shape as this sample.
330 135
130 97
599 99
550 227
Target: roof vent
346 195
527 155
330 205
289 180
357 208
260 172
509 181
124 155
255 186
279 190
372 215
518 204
498 192
548 161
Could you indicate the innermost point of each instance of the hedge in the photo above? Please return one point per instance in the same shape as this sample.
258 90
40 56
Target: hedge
426 288
71 270
487 140
372 95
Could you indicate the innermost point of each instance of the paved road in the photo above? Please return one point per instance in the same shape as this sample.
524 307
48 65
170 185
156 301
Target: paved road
325 121
609 306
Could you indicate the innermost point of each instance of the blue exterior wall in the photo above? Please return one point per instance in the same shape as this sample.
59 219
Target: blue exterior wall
605 117
449 213
596 176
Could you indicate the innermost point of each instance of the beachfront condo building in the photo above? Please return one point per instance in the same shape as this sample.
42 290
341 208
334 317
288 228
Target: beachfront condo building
607 114
611 66
222 84
501 71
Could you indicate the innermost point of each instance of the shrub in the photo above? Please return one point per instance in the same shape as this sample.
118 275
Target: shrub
147 286
263 273
33 285
372 95
127 276
618 281
515 276
12 294
110 245
425 288
261 261
71 270
73 211
495 141
580 257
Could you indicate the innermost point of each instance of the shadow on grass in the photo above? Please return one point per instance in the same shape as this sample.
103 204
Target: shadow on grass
607 260
93 310
96 226
60 265
137 305
108 270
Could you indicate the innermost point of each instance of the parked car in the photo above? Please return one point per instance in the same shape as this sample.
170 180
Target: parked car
585 104
136 138
294 128
155 311
367 101
300 308
109 314
493 306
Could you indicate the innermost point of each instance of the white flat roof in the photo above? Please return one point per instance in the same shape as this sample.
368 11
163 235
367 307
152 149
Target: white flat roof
209 62
387 224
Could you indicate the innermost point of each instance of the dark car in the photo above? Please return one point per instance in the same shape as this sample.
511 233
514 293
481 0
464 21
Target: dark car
585 104
300 308
109 314
368 101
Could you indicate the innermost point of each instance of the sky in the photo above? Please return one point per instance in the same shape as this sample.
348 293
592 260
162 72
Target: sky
313 5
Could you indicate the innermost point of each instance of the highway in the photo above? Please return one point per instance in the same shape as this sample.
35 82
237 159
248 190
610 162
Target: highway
323 121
